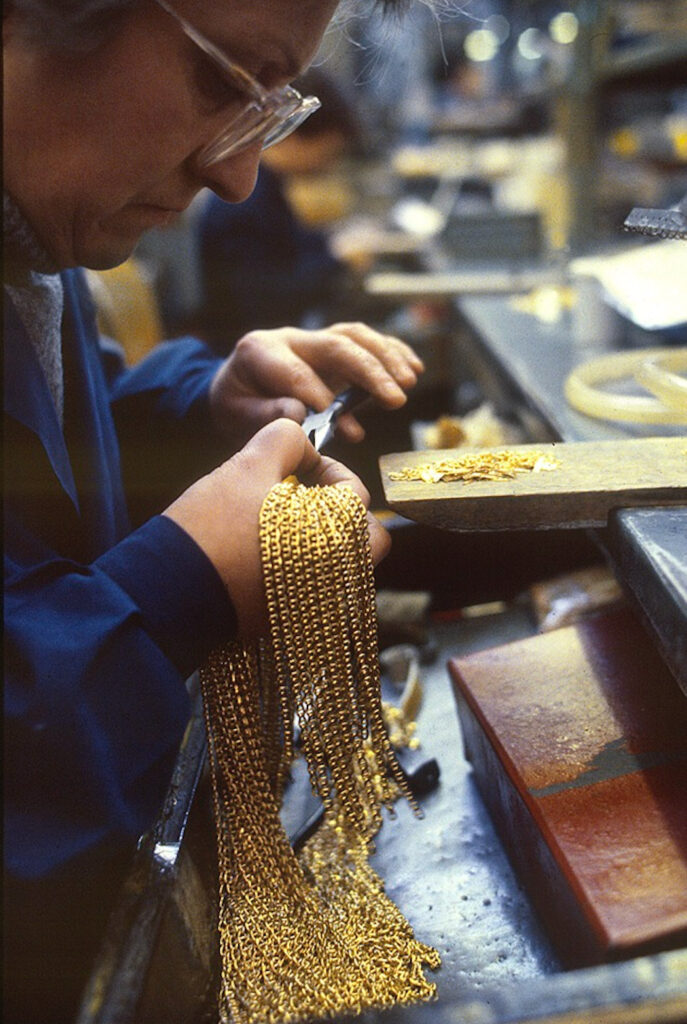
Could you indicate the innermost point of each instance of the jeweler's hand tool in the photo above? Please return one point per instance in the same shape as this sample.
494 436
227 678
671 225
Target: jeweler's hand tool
320 427
421 782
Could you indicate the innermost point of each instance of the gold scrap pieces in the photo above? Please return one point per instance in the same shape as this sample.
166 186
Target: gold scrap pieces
480 428
315 935
499 465
400 727
447 432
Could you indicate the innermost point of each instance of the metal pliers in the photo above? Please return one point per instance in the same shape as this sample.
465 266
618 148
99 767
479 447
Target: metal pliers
320 427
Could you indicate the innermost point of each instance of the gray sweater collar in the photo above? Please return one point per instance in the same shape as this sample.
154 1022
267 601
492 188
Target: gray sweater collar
22 250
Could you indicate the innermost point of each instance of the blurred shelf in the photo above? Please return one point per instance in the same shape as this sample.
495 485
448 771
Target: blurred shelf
663 53
469 279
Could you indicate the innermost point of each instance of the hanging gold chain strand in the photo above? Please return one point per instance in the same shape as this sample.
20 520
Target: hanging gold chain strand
314 936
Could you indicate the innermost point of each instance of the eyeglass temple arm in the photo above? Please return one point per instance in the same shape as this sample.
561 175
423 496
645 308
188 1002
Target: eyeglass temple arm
248 83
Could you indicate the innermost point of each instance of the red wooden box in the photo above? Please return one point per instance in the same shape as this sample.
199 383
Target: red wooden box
578 740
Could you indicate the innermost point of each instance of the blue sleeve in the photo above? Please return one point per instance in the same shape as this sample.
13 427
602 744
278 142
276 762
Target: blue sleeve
95 699
174 380
162 416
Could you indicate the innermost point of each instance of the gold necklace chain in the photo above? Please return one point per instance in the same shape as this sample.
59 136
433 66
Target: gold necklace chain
313 936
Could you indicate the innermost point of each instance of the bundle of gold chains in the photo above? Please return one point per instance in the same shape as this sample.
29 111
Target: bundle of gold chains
313 936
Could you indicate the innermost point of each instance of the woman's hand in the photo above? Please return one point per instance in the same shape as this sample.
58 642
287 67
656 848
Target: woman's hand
284 372
221 511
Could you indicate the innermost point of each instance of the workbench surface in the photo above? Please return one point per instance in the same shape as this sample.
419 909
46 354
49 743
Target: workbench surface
447 872
450 876
526 361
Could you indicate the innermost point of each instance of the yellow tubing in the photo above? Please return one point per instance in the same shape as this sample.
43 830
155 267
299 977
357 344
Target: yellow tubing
654 368
657 376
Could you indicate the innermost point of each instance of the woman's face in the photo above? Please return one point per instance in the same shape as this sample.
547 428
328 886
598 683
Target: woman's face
100 147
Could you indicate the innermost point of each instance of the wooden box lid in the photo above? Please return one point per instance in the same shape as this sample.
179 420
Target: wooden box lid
578 739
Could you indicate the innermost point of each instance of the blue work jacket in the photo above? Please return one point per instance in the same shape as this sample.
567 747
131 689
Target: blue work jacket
102 624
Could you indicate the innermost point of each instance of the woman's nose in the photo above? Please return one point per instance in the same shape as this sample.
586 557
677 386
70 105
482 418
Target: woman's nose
233 179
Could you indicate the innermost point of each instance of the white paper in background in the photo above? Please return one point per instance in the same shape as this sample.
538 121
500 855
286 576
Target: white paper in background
648 285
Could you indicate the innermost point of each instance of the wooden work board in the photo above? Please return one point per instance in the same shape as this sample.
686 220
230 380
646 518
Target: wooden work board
590 479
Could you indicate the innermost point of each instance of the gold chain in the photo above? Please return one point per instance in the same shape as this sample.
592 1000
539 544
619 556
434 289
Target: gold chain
313 936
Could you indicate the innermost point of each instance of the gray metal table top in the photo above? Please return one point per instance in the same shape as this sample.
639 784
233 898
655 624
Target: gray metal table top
450 876
649 551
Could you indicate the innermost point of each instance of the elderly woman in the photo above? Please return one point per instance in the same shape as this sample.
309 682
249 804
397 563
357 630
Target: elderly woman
116 114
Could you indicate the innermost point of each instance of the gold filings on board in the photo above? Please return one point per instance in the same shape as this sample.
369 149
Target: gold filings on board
313 936
499 465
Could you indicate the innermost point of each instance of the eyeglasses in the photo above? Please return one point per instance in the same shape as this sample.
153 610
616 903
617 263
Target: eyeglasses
266 116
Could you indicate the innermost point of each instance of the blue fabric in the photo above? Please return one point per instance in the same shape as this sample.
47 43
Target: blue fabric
102 625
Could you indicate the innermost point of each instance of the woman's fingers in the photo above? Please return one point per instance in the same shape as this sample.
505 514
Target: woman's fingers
221 512
399 359
312 366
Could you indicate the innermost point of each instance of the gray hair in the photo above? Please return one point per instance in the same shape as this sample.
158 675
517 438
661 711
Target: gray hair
81 25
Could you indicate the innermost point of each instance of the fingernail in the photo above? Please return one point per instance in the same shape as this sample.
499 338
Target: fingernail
392 390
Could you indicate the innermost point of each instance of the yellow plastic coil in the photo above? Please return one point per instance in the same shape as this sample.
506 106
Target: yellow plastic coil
658 370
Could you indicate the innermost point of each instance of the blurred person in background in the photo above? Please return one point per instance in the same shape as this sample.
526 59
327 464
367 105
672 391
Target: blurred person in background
262 264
